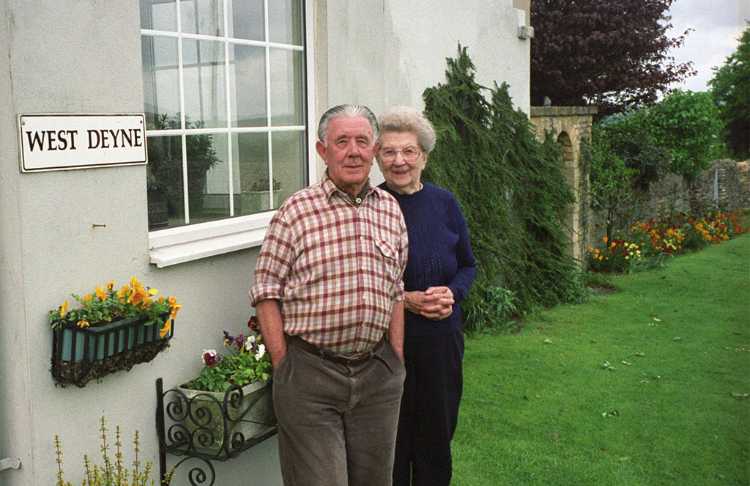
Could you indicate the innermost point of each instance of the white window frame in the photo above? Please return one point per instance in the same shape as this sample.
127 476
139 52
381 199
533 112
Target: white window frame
195 241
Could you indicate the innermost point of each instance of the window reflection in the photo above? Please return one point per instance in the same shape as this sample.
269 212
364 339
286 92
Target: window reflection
202 17
161 85
208 177
250 171
285 21
159 14
289 171
203 72
165 194
247 75
246 19
287 93
200 86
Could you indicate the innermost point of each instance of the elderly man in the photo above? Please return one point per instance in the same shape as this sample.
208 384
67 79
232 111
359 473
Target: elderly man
329 299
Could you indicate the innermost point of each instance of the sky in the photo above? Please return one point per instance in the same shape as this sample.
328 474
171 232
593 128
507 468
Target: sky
718 25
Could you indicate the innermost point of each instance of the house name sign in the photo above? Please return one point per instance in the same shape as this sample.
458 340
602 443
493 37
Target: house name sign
79 141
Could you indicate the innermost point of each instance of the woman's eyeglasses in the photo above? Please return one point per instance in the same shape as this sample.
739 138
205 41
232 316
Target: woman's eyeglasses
409 154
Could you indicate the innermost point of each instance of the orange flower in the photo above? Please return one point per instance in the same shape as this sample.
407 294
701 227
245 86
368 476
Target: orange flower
165 328
100 293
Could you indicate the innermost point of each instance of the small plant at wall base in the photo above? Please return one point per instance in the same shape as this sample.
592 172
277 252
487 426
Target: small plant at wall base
111 329
112 471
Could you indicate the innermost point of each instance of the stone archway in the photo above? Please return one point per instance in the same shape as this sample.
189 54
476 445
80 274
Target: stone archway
570 125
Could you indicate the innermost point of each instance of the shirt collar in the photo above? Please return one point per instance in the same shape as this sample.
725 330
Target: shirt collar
329 188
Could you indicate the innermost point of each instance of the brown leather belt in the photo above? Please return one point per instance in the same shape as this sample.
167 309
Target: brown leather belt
331 355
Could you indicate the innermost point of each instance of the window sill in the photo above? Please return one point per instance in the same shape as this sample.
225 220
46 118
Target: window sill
188 243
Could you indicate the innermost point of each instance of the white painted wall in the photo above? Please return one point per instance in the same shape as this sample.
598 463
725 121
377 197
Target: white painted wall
387 52
83 56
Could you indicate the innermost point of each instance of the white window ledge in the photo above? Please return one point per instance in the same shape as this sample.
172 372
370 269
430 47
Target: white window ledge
187 243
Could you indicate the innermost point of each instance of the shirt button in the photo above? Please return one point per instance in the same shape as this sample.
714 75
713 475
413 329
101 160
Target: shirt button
358 200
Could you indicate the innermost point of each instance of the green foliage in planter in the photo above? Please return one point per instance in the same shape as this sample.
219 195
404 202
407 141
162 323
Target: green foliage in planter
512 192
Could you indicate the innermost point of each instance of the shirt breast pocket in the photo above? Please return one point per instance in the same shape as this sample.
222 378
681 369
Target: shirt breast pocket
389 258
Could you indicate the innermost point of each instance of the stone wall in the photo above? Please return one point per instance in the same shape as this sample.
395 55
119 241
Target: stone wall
725 186
570 125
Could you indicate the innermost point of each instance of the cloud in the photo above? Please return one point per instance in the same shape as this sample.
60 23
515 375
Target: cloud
717 27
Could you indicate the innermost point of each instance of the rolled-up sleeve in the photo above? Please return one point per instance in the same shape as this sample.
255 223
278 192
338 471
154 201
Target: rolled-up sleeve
403 257
274 261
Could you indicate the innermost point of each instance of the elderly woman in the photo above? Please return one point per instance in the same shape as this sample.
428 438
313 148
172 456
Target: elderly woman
438 275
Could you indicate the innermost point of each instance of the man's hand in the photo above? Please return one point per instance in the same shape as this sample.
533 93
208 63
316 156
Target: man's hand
435 303
272 329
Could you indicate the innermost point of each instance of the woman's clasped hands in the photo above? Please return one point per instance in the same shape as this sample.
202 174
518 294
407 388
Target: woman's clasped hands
435 303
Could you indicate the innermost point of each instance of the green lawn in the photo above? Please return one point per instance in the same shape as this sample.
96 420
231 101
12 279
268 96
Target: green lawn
542 408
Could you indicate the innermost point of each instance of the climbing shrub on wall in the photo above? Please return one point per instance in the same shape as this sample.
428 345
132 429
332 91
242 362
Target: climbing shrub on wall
513 194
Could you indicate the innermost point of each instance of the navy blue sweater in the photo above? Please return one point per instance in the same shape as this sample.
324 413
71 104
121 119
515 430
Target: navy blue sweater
439 253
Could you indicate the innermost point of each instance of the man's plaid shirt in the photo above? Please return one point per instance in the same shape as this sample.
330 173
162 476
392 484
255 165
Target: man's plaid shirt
334 266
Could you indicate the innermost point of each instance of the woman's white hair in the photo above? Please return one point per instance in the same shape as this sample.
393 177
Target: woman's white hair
407 119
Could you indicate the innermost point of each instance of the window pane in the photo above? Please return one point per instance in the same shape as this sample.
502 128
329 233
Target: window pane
247 76
159 15
287 94
250 171
246 19
202 17
289 168
203 70
166 206
161 86
208 177
285 21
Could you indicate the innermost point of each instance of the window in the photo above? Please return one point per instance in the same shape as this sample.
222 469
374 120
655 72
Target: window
225 104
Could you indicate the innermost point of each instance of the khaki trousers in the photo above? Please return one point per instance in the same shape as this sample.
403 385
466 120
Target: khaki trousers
337 422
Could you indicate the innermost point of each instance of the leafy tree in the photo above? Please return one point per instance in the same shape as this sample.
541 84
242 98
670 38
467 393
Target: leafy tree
611 179
687 124
613 54
731 90
631 137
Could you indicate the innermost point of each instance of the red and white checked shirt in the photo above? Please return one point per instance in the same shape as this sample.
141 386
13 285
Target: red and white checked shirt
335 267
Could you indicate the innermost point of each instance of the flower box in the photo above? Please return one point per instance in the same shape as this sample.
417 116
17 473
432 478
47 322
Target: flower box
110 330
80 355
219 425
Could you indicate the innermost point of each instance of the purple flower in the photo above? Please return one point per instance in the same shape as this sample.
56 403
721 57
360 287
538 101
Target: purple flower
210 357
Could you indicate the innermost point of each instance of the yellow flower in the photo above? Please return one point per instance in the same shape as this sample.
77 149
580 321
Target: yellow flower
134 282
122 293
83 323
87 298
100 293
165 328
175 309
110 285
64 309
605 239
152 291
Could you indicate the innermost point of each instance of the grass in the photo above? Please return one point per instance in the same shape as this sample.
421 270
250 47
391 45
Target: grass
542 408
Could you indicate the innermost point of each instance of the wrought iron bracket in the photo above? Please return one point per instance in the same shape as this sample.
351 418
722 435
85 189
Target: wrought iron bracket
203 428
